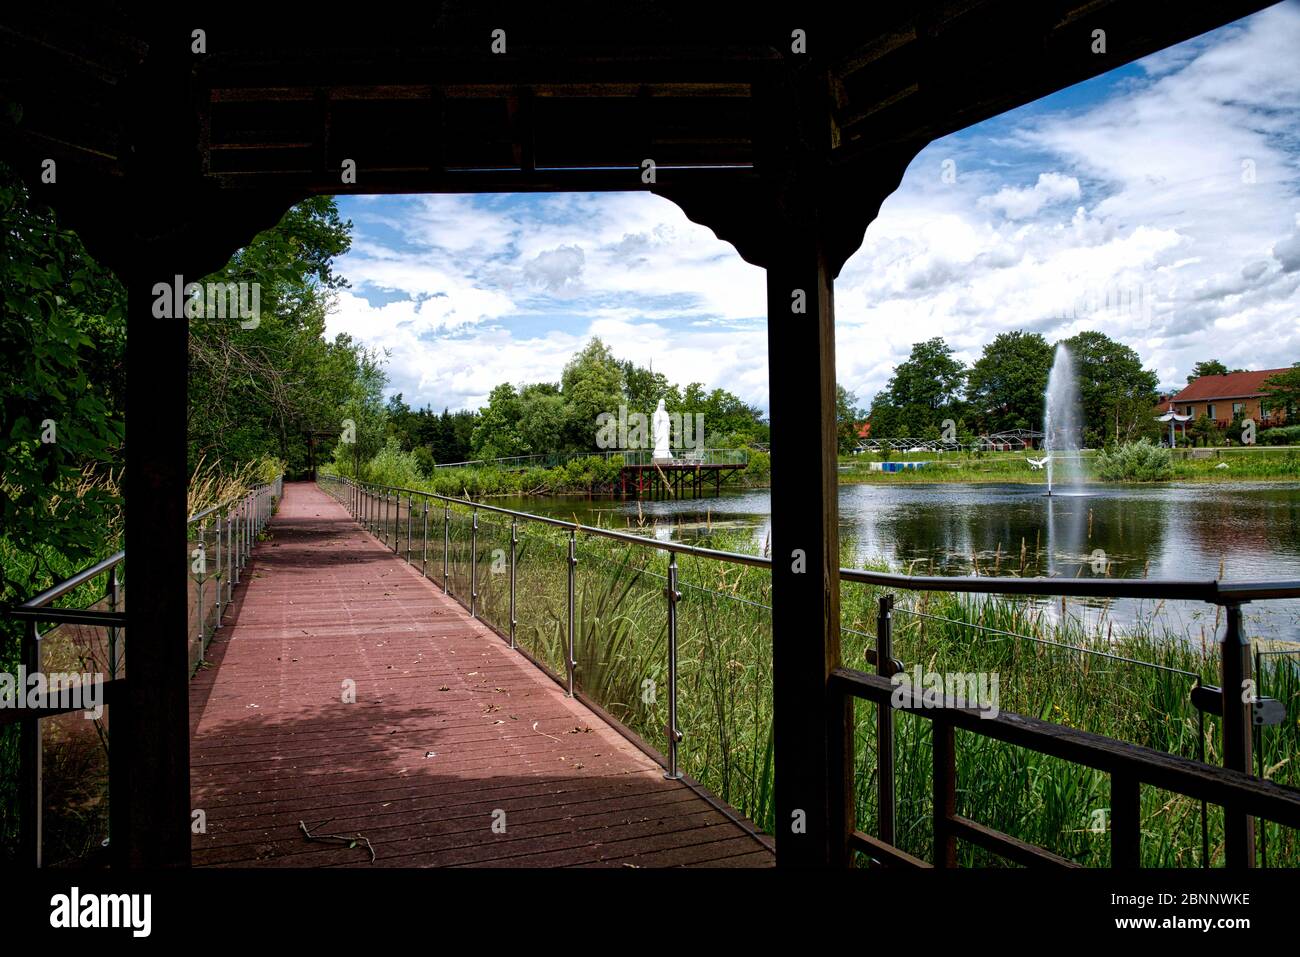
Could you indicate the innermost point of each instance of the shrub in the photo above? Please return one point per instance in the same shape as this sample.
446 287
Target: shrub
423 459
1139 461
1283 435
393 467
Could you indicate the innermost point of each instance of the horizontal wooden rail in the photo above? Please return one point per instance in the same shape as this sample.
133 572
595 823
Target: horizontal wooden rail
1170 772
1129 765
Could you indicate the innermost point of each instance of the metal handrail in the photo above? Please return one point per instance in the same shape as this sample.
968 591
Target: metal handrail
1230 595
76 581
1213 591
244 516
678 547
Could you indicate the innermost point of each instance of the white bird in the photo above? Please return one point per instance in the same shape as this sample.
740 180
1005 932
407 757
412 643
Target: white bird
1222 465
1038 463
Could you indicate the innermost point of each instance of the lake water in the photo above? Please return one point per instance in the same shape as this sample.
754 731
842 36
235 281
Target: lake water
1193 530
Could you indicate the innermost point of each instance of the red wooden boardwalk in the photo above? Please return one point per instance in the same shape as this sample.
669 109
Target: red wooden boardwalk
450 733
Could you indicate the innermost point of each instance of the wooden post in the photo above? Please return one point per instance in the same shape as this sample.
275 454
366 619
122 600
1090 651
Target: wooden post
801 223
1125 822
1235 664
945 793
150 782
812 793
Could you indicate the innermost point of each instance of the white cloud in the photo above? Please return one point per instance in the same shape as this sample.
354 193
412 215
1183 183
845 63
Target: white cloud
1050 189
1172 242
1163 213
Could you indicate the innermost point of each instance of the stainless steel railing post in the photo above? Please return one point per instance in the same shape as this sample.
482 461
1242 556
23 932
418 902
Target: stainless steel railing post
114 603
446 543
674 734
424 539
410 504
198 583
220 577
237 534
473 566
571 663
33 804
514 544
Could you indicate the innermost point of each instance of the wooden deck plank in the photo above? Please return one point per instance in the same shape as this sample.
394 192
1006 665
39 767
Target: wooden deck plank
448 728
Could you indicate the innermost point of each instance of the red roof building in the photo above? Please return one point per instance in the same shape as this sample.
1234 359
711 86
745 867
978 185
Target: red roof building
1223 398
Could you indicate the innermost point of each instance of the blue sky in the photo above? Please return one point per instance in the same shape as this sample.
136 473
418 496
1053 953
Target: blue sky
1159 204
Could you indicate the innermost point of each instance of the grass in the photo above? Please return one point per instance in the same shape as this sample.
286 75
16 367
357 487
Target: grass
725 685
76 750
1242 464
398 469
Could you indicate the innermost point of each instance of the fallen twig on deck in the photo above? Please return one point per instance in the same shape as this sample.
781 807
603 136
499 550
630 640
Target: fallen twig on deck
354 841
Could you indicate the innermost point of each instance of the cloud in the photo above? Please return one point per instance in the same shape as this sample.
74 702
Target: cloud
1162 211
1158 205
556 269
1050 189
465 292
1287 252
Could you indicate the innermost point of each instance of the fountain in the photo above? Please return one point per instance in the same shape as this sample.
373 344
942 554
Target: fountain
1061 421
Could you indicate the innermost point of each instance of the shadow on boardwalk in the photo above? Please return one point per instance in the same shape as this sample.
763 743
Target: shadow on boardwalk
348 693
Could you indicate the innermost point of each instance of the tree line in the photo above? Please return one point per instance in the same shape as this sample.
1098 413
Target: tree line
540 418
1003 390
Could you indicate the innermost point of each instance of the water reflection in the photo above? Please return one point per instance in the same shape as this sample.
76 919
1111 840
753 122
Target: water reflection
1198 531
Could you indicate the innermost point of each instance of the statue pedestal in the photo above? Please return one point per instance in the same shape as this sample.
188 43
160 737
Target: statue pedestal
662 460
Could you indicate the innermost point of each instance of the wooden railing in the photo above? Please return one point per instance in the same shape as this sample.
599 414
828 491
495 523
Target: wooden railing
1242 796
1129 766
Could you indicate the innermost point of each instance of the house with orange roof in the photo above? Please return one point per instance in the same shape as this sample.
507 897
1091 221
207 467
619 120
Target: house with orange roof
1222 398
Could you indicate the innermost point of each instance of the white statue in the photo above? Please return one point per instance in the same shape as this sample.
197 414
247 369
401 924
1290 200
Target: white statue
661 428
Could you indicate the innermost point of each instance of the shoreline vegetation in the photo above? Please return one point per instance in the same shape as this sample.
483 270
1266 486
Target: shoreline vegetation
1232 464
599 476
1050 664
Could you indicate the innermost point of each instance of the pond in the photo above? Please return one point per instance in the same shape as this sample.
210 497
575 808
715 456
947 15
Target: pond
1179 530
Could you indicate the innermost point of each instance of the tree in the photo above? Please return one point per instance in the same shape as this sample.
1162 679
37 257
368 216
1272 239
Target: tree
62 339
886 422
1006 384
592 383
403 423
542 420
643 387
496 434
924 390
363 417
1116 393
1284 391
255 389
1208 367
847 417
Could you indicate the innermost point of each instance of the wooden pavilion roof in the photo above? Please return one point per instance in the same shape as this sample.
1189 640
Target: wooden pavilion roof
584 92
